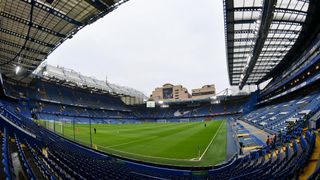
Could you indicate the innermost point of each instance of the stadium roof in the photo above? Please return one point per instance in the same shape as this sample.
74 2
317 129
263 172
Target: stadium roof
259 34
31 29
71 78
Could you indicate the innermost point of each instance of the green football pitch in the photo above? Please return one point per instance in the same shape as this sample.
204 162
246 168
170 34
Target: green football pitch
185 143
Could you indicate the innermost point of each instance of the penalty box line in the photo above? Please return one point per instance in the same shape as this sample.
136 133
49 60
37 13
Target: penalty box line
147 156
211 141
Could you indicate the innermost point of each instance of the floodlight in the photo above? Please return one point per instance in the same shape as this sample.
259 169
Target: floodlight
18 68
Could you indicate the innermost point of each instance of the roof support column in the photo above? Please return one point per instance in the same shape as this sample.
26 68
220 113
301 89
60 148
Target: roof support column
265 22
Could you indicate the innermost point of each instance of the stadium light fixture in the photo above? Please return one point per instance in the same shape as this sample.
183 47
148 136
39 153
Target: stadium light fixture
213 97
18 68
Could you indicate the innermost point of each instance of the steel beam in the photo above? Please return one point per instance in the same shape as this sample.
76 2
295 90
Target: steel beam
251 21
97 4
284 10
274 31
24 65
33 25
26 38
266 20
53 11
21 55
267 39
21 47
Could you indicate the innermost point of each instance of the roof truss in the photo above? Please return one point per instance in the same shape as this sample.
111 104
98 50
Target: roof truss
259 34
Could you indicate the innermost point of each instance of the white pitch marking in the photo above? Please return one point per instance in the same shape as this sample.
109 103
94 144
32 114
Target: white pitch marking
130 142
210 142
152 157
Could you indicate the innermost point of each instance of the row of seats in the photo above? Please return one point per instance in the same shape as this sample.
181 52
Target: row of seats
64 110
316 173
186 111
25 163
283 162
275 118
18 119
5 156
40 163
44 91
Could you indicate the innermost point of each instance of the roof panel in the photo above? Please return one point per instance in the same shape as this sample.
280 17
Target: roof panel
31 29
243 23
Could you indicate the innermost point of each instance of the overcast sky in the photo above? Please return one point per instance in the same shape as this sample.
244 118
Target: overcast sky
146 43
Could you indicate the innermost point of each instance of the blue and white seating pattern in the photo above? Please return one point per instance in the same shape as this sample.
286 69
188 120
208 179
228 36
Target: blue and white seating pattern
275 118
66 160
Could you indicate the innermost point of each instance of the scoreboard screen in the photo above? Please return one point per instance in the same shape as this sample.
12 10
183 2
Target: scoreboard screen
151 104
167 93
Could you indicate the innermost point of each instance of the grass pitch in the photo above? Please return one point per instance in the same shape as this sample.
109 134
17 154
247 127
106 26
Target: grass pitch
187 144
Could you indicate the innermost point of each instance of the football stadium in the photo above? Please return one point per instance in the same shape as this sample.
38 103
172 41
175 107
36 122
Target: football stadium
56 123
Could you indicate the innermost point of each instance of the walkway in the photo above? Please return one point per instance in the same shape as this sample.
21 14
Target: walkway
232 144
260 134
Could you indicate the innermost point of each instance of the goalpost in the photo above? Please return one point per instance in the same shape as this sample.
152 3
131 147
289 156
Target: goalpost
185 120
60 123
161 120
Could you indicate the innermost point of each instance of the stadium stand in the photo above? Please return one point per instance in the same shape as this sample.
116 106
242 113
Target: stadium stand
175 111
275 118
48 92
55 157
50 101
